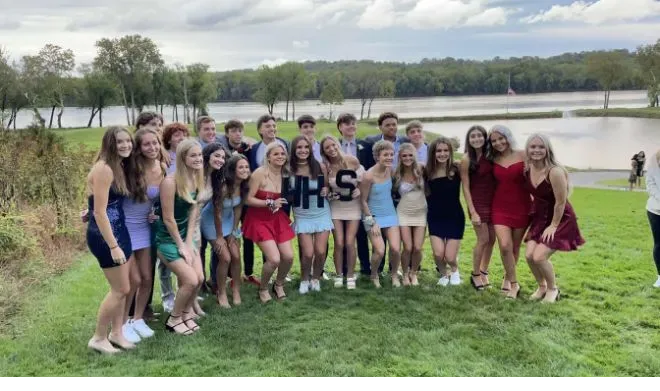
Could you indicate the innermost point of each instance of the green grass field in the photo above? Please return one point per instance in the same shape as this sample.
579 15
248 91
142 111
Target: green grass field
606 324
621 183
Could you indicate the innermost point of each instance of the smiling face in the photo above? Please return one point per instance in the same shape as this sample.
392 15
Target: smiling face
124 144
150 146
242 169
416 136
308 130
499 142
537 150
207 132
389 127
302 150
348 130
386 157
277 156
235 136
476 139
194 158
407 157
442 153
217 159
177 137
330 148
268 130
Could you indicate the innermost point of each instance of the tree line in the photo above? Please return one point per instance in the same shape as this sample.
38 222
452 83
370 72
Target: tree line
130 71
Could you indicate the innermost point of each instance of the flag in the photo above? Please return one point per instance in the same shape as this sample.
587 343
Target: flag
510 91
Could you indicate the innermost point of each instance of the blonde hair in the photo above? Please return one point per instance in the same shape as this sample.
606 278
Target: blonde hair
380 146
269 150
340 154
183 173
417 170
550 160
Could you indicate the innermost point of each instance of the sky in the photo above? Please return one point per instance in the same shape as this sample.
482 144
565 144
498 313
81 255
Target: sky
236 34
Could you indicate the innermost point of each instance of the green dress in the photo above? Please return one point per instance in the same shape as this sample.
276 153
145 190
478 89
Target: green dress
164 241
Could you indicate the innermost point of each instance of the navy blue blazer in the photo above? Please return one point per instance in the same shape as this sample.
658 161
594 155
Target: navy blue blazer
252 154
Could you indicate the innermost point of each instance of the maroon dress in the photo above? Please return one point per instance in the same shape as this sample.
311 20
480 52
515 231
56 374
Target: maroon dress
567 237
482 188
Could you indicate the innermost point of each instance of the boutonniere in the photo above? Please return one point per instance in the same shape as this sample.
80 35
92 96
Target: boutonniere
360 147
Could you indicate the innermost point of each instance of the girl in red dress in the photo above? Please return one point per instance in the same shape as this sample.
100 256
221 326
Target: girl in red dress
554 224
478 190
511 203
267 224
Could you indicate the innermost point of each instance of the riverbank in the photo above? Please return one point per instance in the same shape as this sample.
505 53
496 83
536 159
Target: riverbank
645 112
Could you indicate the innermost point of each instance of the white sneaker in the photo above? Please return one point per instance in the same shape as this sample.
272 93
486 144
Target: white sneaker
326 277
339 282
130 334
443 281
657 283
288 278
304 287
350 283
168 305
316 285
400 273
141 328
455 278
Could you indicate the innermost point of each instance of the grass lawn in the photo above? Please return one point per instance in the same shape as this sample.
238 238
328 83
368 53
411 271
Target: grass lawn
621 183
606 324
91 137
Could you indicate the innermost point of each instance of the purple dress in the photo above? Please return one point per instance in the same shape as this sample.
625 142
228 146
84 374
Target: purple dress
137 218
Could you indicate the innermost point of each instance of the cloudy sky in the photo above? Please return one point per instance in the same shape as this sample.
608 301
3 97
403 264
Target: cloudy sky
229 34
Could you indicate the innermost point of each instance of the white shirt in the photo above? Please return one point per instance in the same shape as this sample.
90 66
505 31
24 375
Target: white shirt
261 151
653 186
349 147
316 149
422 154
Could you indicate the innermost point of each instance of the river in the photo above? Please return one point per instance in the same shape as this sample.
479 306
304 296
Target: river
406 108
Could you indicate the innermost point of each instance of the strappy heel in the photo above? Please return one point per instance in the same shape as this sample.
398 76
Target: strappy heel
192 319
474 284
279 298
508 296
485 273
171 328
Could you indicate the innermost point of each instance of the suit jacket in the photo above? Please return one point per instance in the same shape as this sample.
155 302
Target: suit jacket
377 137
364 153
252 153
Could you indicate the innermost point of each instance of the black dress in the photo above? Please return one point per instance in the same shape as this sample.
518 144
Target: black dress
95 241
445 216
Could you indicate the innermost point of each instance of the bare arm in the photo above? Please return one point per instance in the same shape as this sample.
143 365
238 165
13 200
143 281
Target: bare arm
238 211
102 178
167 193
255 181
652 186
559 184
217 221
465 181
365 188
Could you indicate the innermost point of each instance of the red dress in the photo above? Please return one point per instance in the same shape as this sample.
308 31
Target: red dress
261 224
512 202
482 189
567 237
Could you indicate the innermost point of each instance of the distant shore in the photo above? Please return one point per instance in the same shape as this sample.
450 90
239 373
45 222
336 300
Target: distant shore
645 112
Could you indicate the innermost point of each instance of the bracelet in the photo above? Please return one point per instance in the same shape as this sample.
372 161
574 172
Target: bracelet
112 248
368 221
270 203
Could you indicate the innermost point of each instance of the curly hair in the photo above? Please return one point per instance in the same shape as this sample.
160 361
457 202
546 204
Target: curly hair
170 130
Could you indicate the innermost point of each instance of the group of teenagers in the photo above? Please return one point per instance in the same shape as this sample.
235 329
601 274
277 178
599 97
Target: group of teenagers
159 196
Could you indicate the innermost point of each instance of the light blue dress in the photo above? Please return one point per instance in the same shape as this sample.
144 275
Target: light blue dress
137 218
381 204
313 219
208 223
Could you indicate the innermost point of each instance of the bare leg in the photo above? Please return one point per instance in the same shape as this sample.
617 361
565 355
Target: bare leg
538 275
541 258
505 239
224 259
112 310
272 254
235 255
187 281
320 244
394 239
377 253
451 252
438 248
406 254
338 253
306 255
143 258
286 261
419 234
135 281
487 255
349 241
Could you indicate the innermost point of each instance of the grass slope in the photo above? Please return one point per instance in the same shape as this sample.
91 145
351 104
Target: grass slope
620 183
606 324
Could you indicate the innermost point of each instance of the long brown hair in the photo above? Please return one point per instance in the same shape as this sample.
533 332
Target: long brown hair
136 172
230 181
432 165
110 155
314 166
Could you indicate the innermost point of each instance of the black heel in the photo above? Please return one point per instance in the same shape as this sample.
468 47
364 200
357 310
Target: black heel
474 285
171 328
196 327
485 273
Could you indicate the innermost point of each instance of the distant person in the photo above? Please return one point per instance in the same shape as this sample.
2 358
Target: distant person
415 132
553 224
653 209
640 159
632 177
233 138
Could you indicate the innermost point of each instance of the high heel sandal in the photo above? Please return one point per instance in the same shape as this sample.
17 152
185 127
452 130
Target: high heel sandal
485 273
259 296
277 295
556 297
474 285
171 328
509 296
192 319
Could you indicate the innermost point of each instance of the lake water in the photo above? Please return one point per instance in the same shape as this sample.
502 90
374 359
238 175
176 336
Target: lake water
406 108
596 143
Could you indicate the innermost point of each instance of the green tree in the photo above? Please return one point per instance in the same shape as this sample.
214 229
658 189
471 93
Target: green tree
270 87
332 93
57 64
648 58
295 83
202 87
31 83
98 90
608 68
8 80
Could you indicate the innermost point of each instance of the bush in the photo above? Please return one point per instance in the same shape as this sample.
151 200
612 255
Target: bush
42 189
